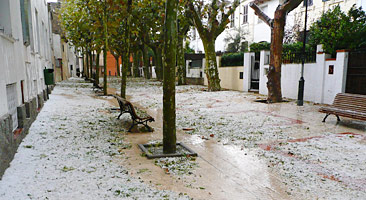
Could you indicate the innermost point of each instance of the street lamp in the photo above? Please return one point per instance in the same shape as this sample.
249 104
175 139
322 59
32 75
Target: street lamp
300 97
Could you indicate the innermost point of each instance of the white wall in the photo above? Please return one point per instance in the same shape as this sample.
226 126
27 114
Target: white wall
21 63
320 86
57 46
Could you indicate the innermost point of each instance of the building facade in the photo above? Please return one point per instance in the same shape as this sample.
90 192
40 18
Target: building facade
25 51
67 61
252 29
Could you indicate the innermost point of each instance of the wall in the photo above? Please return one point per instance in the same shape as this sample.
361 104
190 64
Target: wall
230 79
320 86
111 64
252 31
21 63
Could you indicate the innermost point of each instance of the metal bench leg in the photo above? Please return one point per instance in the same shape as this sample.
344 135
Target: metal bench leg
338 119
325 117
133 124
119 115
148 127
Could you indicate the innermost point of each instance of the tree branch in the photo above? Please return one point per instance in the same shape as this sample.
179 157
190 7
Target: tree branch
289 5
263 15
224 20
196 19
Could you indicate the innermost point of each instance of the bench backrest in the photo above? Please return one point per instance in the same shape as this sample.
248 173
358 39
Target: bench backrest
352 102
122 102
128 107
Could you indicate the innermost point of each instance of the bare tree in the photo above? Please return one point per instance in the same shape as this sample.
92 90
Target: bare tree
277 26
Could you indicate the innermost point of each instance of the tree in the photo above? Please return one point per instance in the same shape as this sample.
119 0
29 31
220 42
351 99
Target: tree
183 26
170 49
149 22
126 56
338 30
235 40
277 33
210 26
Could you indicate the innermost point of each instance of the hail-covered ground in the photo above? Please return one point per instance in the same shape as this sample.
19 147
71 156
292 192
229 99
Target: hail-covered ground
315 160
71 152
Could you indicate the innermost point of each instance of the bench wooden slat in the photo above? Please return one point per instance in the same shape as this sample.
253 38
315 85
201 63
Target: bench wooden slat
127 107
347 105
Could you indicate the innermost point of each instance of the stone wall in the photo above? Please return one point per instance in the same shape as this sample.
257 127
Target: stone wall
10 140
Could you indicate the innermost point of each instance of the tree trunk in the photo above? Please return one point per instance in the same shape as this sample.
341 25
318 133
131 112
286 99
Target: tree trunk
129 66
211 70
91 65
277 32
180 61
126 53
105 34
87 65
274 73
117 64
158 63
105 81
97 69
170 38
146 62
136 71
124 75
84 65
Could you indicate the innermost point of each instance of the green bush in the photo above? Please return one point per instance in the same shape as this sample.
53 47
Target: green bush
339 30
297 48
232 59
257 47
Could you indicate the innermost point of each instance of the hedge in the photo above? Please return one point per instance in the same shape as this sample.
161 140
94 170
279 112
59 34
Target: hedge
232 59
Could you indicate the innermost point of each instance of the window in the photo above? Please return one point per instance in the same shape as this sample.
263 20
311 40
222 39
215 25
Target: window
26 21
195 64
310 2
232 20
245 14
37 33
58 62
5 23
194 34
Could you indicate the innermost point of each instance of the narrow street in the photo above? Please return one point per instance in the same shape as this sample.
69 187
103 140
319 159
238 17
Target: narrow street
70 153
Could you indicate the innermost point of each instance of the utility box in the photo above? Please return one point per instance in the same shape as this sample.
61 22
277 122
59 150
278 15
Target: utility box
48 76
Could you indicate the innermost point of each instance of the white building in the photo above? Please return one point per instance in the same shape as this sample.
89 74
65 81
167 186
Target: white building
252 29
65 55
25 51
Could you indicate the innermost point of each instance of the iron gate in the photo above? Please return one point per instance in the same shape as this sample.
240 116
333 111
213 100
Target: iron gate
356 72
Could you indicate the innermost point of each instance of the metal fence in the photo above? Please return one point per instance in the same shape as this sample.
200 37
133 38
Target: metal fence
296 57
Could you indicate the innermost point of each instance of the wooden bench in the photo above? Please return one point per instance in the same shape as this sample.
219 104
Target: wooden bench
347 105
127 107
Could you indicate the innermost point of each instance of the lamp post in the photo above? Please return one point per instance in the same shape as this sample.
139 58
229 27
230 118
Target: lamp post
300 97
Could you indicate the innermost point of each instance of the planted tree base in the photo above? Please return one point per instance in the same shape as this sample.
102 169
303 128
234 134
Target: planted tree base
156 151
266 101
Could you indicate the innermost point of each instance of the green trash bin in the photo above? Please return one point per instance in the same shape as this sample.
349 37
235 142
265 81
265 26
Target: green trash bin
48 77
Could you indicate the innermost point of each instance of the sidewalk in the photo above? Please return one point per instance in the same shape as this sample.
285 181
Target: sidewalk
71 152
77 149
274 151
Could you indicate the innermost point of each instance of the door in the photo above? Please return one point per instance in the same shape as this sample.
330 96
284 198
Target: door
12 98
356 72
254 72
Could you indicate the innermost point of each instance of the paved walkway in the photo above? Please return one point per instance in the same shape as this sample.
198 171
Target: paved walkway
77 149
71 152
